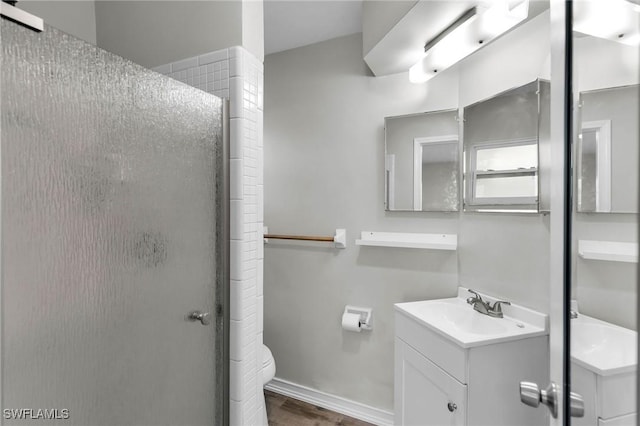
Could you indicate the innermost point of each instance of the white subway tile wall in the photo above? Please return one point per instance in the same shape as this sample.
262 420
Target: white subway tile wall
237 75
208 72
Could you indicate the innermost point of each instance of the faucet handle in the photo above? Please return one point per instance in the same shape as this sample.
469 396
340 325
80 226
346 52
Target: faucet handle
475 298
497 306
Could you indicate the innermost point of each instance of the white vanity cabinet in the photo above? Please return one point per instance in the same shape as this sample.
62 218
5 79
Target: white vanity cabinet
442 381
425 394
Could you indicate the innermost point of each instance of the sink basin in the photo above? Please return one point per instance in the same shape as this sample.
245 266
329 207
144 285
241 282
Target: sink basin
462 318
455 319
603 348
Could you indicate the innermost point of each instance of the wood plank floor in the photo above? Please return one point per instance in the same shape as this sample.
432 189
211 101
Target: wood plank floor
285 411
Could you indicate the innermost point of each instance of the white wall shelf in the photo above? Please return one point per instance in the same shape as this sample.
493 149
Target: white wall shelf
408 240
608 250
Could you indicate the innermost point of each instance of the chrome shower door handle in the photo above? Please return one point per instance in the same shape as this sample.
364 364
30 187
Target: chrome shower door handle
532 395
203 317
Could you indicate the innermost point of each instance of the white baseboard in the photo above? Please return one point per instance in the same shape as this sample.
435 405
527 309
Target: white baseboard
331 402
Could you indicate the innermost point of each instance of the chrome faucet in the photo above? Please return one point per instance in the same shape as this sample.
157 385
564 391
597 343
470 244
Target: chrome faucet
477 303
485 307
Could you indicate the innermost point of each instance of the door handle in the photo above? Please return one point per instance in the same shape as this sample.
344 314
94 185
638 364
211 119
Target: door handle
203 317
532 395
576 403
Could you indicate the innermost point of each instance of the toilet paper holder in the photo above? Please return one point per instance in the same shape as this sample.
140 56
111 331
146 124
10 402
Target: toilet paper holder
366 322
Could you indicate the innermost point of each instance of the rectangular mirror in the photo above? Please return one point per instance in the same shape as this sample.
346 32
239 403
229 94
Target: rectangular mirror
422 162
607 151
501 149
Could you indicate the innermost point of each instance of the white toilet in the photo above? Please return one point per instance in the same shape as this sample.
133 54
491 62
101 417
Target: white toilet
268 373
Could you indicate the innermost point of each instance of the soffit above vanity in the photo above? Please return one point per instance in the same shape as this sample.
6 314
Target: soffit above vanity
403 44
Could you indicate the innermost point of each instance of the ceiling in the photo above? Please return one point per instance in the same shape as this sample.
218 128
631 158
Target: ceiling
404 44
289 24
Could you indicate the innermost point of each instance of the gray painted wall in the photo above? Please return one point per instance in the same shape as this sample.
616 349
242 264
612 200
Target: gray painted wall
324 157
157 32
77 18
153 33
324 162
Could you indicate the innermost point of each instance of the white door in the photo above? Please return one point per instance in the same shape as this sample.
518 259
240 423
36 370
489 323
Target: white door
109 238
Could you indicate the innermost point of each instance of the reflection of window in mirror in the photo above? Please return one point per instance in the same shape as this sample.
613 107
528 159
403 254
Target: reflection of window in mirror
502 145
390 182
435 173
594 166
504 173
422 162
607 150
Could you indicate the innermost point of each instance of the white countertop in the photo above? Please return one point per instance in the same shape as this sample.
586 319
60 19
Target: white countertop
456 320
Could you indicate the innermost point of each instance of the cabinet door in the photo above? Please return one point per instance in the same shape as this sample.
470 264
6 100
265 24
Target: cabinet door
424 393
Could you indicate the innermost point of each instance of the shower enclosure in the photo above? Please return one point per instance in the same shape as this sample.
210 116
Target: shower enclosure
114 253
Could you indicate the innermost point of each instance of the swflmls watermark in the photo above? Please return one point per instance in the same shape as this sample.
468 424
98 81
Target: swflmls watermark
35 413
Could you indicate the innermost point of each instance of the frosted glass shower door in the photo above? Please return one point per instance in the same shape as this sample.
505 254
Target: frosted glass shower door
109 210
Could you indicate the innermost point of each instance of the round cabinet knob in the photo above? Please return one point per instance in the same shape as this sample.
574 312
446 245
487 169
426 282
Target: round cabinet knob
452 407
203 317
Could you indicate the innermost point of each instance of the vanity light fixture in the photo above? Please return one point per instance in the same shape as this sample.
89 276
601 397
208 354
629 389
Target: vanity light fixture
615 20
474 29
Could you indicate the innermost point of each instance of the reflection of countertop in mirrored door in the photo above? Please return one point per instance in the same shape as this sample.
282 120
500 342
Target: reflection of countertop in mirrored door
603 370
